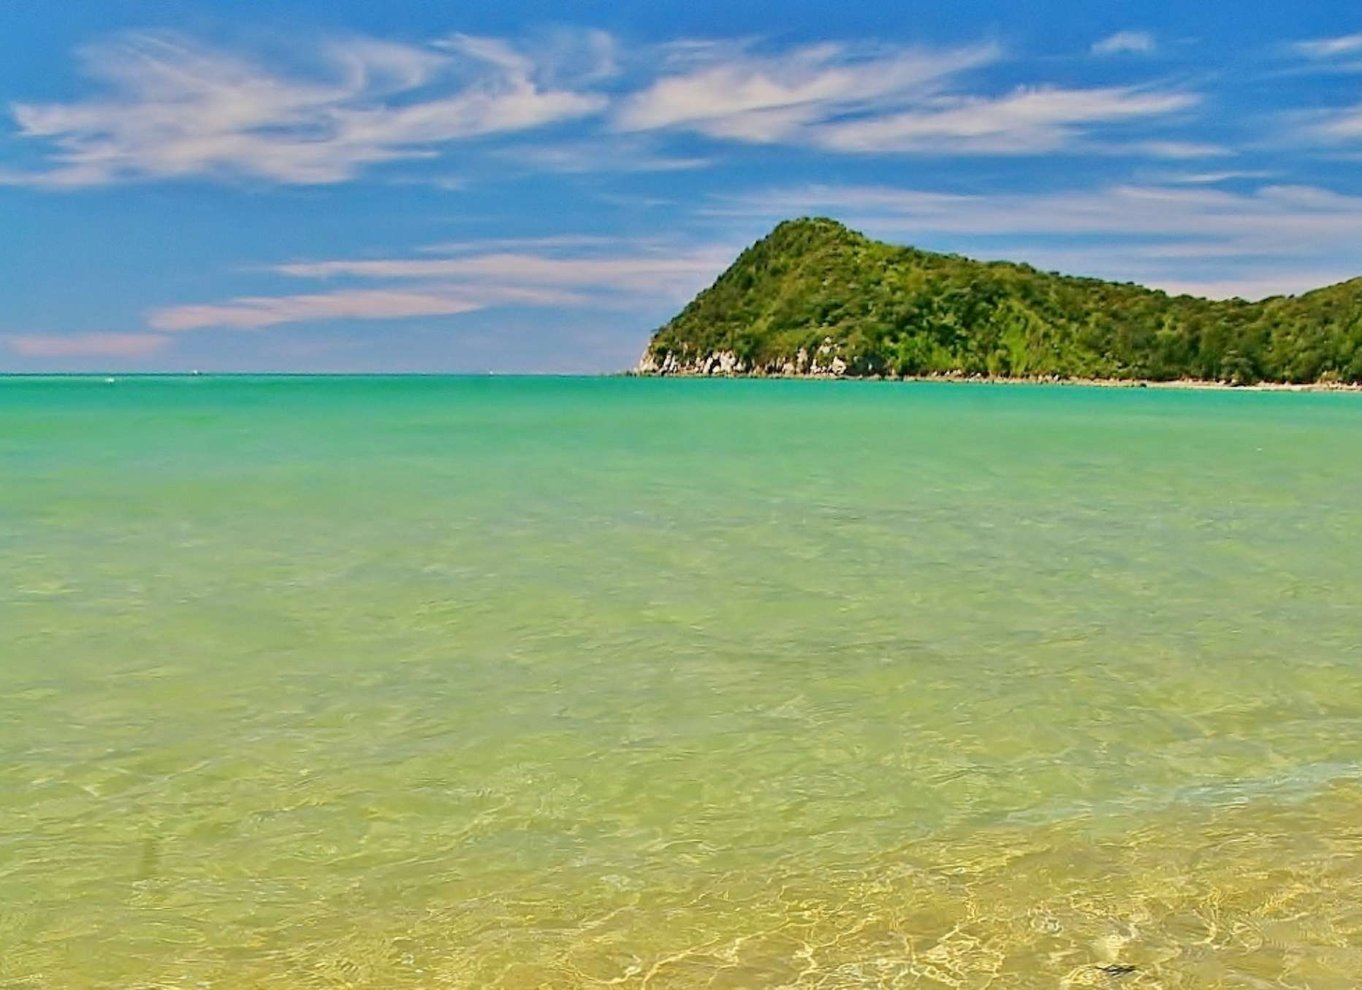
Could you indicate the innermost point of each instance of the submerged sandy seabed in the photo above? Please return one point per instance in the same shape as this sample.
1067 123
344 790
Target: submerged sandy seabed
427 683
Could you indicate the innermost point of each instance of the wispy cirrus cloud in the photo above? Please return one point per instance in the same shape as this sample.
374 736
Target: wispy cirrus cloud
1330 48
166 106
872 100
1172 150
1211 178
1026 121
170 107
565 272
548 242
1194 238
261 312
1337 129
1335 125
657 273
724 90
1342 126
81 345
1125 43
599 155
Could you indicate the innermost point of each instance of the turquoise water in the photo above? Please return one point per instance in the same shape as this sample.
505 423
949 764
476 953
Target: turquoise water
423 682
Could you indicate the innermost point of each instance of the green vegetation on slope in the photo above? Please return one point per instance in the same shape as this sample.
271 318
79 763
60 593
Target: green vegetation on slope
862 307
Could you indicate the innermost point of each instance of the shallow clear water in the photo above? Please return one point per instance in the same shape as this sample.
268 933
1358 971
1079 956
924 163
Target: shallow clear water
566 683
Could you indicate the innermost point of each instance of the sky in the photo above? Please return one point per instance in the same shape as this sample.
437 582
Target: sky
349 186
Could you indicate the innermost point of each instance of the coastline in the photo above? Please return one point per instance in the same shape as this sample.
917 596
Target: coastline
1190 384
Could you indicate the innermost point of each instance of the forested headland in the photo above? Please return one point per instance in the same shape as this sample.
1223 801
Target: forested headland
815 298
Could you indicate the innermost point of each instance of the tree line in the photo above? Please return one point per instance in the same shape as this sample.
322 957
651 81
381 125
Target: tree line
816 286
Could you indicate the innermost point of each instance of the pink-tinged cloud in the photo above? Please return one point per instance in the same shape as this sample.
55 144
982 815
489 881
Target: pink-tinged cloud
54 345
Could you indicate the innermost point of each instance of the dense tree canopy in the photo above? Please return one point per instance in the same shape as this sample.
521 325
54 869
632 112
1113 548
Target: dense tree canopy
869 308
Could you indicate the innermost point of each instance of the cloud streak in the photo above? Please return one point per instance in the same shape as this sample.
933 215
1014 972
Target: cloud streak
167 107
1327 48
449 286
53 345
261 312
1125 43
644 274
1026 121
170 108
873 101
1338 125
726 92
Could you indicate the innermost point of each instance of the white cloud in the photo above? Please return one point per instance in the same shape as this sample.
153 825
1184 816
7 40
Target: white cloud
725 91
54 345
1183 150
1212 178
168 107
1339 126
172 108
1331 125
1327 48
598 155
643 274
875 101
260 312
466 282
1125 43
551 242
1277 238
1026 121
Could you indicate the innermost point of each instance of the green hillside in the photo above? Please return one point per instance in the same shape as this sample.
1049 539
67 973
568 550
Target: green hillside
816 298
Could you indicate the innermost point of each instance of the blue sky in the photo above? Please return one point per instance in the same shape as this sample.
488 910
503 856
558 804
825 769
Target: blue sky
415 186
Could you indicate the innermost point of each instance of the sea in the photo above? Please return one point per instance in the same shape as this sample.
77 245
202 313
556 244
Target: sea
499 682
